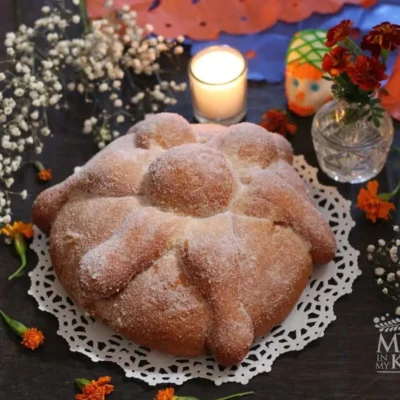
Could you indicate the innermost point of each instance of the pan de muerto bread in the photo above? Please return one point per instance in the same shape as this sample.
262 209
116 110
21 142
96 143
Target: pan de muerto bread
188 239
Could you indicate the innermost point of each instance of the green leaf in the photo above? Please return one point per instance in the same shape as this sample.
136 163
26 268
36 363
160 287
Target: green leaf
376 122
327 78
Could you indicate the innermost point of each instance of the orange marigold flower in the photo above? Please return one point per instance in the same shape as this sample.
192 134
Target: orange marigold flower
369 201
32 338
45 175
96 390
338 32
18 227
383 36
367 72
277 121
165 394
336 61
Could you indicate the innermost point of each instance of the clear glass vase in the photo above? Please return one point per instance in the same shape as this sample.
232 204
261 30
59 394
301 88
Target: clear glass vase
350 152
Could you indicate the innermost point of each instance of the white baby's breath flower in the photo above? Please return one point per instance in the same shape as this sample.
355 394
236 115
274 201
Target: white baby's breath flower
397 312
54 99
38 150
24 194
385 290
116 84
29 140
115 134
80 88
118 103
391 277
76 19
19 92
7 110
7 218
180 38
45 131
45 9
10 51
87 129
371 248
381 242
120 119
149 28
178 50
71 86
35 115
23 125
103 87
2 76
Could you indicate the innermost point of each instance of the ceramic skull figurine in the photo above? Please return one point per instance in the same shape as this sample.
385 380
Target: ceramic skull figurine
306 90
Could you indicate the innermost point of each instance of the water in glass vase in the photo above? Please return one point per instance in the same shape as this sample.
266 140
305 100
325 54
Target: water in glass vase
350 152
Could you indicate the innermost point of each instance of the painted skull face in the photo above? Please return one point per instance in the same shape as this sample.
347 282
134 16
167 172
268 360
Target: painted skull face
306 90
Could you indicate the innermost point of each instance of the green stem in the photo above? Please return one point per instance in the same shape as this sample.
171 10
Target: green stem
388 196
234 396
84 16
15 326
385 55
350 45
17 13
82 382
21 249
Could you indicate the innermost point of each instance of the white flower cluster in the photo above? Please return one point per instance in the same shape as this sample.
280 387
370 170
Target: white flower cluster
109 57
385 259
116 51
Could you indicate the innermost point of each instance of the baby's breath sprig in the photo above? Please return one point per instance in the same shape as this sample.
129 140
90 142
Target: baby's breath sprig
385 258
64 52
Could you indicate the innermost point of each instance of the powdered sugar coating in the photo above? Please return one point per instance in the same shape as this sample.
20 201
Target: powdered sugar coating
167 275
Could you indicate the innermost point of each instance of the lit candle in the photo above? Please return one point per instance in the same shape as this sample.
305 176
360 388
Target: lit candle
218 83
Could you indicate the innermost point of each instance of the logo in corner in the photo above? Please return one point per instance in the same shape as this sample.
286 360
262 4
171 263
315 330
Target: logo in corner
388 351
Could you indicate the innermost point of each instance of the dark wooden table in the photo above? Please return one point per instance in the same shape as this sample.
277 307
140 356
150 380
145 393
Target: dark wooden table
340 365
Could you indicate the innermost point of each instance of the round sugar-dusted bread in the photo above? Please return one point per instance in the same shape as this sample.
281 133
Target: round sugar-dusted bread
188 239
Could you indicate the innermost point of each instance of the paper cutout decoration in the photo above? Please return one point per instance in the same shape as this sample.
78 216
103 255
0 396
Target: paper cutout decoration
306 90
204 20
391 100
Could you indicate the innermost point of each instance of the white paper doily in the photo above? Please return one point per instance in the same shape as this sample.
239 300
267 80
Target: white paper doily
307 321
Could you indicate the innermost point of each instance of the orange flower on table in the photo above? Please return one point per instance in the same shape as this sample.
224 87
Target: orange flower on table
338 33
165 394
374 206
336 61
32 338
45 175
277 121
18 227
94 390
383 36
367 72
